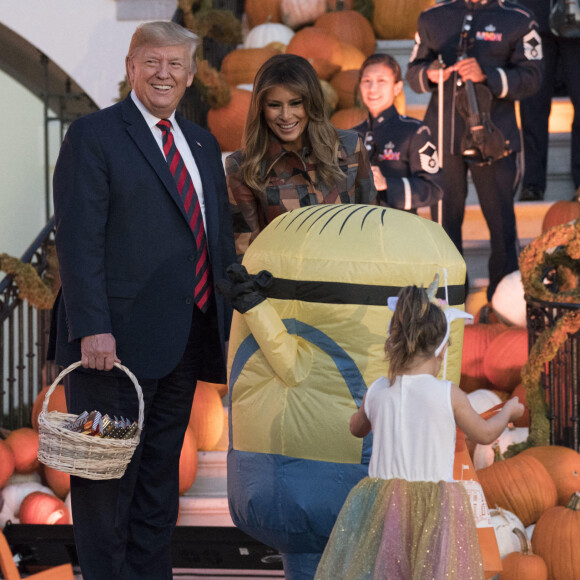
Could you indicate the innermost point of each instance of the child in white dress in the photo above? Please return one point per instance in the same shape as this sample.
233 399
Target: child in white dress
409 520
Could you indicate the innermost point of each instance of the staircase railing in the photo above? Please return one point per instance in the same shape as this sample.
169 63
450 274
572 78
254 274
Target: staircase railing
24 333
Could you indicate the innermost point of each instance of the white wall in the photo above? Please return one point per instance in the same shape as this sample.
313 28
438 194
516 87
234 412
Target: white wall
83 37
22 206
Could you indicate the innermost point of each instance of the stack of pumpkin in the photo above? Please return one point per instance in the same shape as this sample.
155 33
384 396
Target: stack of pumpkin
534 495
32 493
335 42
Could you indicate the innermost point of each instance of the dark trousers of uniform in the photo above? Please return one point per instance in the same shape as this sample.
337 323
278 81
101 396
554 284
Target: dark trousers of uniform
561 55
123 527
495 185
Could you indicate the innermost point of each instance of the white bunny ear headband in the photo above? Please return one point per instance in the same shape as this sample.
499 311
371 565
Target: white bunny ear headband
451 314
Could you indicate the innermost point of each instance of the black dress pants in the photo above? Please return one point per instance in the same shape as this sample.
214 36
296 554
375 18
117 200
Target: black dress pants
495 185
123 527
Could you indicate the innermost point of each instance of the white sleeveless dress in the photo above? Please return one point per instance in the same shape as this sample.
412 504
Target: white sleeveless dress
408 520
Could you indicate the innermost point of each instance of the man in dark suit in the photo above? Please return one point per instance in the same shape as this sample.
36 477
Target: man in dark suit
143 230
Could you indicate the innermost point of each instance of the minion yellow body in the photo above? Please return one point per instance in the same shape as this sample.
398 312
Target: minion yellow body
300 363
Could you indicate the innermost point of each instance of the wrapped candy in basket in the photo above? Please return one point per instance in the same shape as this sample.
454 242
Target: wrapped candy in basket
88 445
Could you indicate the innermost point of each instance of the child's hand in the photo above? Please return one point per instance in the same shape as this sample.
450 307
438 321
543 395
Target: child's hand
514 408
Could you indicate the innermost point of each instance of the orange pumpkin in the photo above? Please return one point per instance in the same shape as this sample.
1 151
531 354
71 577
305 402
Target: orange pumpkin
393 19
260 11
6 462
241 65
563 465
58 481
42 508
555 539
352 57
57 402
504 358
324 69
312 42
348 118
521 485
228 123
187 461
476 339
561 212
351 27
345 84
524 565
24 445
207 416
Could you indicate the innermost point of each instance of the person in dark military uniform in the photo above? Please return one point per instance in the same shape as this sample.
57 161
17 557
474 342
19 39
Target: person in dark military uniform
496 45
403 158
561 58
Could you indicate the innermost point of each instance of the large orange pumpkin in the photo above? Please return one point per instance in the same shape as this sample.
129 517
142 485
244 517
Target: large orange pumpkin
351 27
312 42
348 118
561 212
555 539
57 402
524 565
41 508
6 462
393 19
187 461
521 485
260 11
24 445
476 340
504 358
241 65
207 416
228 123
563 465
58 481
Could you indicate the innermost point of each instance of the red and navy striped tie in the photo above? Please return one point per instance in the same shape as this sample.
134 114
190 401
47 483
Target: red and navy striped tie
190 201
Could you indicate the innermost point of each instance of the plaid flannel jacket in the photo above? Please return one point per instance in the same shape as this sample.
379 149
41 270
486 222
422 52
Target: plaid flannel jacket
291 183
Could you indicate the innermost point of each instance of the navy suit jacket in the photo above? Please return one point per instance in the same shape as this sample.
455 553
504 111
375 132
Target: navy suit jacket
126 252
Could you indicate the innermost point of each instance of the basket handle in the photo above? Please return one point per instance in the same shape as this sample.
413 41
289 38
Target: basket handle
119 366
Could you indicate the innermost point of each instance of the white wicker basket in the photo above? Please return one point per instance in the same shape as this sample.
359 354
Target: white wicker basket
79 454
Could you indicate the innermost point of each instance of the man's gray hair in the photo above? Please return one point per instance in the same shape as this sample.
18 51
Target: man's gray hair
164 33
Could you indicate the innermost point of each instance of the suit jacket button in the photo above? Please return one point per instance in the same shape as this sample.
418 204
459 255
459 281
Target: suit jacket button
188 300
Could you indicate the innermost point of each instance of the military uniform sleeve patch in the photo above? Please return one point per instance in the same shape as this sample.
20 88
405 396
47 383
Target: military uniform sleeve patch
429 158
533 46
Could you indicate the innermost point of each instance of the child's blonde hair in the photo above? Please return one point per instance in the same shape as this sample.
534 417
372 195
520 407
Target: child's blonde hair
417 328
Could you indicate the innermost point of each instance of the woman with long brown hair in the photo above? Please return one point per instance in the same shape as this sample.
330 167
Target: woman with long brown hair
291 155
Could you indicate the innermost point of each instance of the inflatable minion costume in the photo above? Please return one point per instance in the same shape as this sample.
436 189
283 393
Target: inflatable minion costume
306 340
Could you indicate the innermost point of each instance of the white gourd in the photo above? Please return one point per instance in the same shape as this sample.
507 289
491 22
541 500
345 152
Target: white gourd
296 13
483 399
263 34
